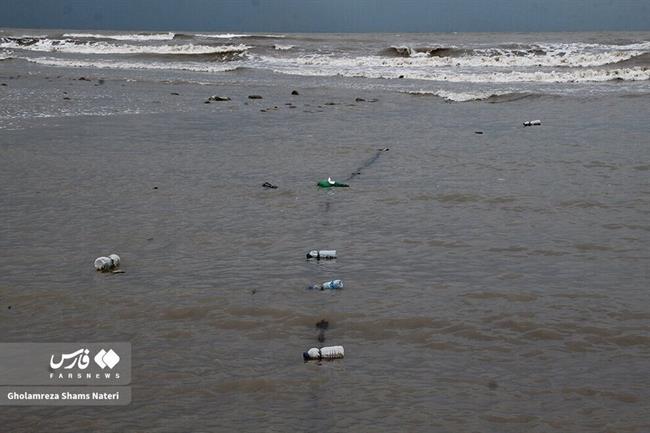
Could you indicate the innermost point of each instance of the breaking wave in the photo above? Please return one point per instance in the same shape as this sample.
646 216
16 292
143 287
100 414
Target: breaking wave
542 55
68 46
123 37
235 36
98 64
377 67
492 97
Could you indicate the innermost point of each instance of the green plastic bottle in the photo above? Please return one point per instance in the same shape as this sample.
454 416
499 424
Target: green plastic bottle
329 183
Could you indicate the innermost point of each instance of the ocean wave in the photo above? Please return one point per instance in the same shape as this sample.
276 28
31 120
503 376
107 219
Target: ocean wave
517 55
67 46
488 96
98 64
640 60
222 35
422 69
564 76
283 47
407 51
236 35
123 37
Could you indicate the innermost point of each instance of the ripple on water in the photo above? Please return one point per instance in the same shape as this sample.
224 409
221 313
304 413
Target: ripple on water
512 297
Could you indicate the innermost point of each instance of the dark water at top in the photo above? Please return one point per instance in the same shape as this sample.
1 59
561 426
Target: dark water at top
494 282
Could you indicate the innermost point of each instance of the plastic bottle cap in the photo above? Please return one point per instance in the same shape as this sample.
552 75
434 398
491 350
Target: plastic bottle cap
330 181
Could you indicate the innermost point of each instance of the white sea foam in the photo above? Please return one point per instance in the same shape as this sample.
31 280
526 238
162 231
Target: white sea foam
67 46
123 37
98 64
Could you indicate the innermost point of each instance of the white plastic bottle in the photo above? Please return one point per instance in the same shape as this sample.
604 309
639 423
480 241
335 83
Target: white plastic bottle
105 264
332 352
533 123
328 285
321 254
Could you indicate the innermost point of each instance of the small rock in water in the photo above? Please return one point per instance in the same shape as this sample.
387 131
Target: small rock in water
3 84
254 97
83 79
330 103
295 93
174 93
66 98
206 102
401 76
478 132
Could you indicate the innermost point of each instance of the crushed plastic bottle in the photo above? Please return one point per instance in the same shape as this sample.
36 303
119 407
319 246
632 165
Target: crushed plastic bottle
329 285
321 254
533 123
106 264
332 352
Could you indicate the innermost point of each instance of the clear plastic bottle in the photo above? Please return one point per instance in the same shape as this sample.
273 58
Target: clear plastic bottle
328 285
321 254
331 352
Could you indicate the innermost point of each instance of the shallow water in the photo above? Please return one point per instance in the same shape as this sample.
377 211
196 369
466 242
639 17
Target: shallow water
493 282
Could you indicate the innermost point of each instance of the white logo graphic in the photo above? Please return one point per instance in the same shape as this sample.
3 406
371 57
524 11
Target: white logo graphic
107 359
79 358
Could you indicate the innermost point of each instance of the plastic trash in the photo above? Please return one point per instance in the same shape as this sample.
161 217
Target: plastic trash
332 352
329 285
321 254
106 264
533 123
269 185
329 183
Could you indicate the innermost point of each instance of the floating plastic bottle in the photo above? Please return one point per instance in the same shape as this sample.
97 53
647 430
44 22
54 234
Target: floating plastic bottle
321 254
106 264
332 352
329 285
533 123
329 183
